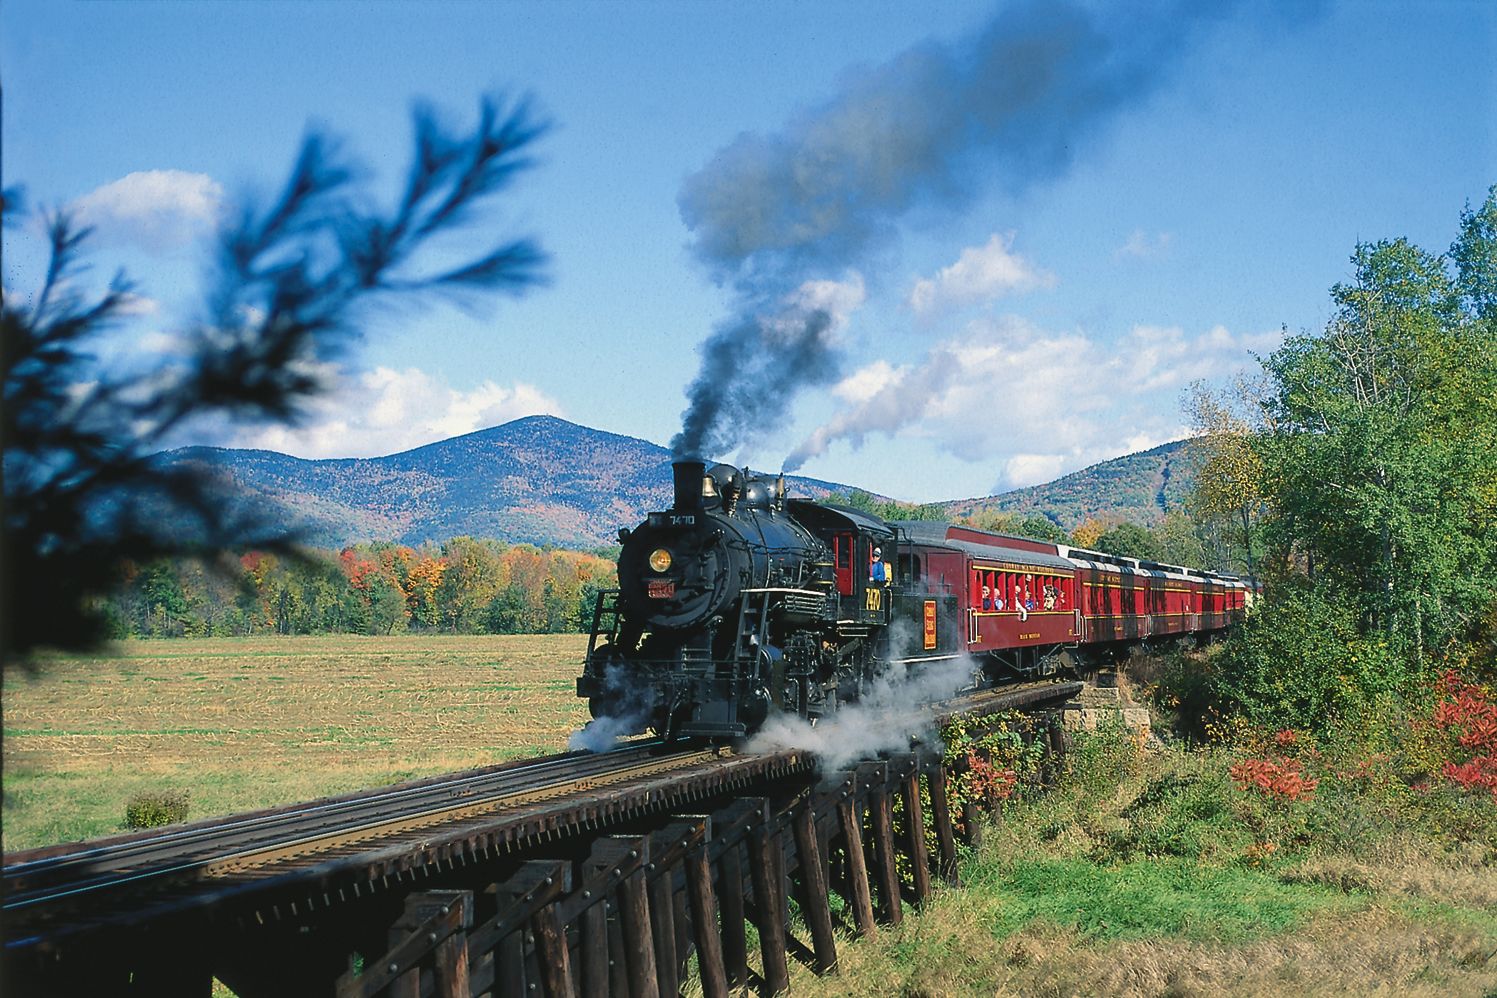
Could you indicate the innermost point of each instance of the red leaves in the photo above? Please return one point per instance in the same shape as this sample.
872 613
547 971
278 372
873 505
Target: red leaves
1275 778
1275 770
1478 773
1466 714
989 781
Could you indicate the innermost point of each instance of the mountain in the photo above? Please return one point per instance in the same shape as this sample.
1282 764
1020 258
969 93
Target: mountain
539 479
1139 487
544 480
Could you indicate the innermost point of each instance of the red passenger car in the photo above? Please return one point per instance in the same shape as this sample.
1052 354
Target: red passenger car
1032 608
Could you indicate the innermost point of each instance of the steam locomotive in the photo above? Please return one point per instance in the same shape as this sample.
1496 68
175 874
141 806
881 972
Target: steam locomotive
738 602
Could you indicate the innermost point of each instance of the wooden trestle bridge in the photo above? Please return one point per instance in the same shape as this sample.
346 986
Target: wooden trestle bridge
577 874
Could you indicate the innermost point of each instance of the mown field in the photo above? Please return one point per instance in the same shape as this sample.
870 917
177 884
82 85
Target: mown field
247 723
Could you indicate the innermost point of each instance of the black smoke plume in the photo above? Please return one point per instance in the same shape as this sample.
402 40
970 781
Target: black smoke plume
1008 107
752 367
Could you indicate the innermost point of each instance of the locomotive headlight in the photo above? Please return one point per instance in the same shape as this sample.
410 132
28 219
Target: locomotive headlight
660 560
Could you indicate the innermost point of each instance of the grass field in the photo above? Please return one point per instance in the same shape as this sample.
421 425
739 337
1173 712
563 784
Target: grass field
247 723
1144 873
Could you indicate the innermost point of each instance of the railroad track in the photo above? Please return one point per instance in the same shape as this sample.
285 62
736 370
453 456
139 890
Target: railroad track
223 848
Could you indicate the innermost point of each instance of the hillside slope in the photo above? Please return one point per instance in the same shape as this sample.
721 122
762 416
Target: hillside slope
1139 487
544 480
540 479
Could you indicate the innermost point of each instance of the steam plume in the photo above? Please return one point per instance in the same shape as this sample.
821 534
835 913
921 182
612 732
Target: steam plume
886 719
752 366
906 396
631 702
937 125
603 734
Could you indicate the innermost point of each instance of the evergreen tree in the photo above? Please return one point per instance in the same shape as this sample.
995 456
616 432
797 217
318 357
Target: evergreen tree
82 491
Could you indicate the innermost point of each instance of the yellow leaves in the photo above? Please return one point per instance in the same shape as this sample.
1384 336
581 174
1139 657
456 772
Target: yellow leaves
1230 477
1088 532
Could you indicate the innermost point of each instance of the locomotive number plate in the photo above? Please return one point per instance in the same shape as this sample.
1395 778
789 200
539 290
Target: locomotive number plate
660 590
673 519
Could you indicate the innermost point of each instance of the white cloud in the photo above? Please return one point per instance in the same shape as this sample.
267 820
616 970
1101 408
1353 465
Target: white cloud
1141 245
1035 403
1032 469
839 299
981 273
385 411
1164 357
866 382
156 210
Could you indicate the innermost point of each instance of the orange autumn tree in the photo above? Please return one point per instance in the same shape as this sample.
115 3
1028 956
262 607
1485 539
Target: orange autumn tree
423 581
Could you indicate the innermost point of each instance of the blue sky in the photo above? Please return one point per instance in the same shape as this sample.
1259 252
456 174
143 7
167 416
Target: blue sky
1034 301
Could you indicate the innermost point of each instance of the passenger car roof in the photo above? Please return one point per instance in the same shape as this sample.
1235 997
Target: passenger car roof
930 533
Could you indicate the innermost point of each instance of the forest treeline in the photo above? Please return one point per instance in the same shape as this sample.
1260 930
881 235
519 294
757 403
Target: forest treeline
464 586
468 585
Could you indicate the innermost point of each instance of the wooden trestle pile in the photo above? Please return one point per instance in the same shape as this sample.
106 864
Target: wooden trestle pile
638 911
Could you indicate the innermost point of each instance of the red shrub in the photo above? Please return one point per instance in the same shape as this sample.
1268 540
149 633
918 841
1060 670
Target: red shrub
1281 779
988 780
1466 714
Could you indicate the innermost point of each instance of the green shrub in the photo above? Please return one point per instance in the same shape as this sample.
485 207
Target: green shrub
1183 688
156 808
1099 761
1187 812
1300 661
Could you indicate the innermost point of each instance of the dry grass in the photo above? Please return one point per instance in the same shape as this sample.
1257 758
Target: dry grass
947 950
1375 952
1135 877
246 723
1408 872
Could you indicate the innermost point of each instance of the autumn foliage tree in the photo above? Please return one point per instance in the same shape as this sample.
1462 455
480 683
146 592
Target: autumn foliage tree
1086 533
1229 484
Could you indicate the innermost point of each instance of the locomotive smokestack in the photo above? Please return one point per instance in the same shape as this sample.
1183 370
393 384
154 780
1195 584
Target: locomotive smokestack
689 475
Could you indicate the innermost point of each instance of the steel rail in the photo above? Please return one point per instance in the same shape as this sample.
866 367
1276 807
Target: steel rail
113 848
